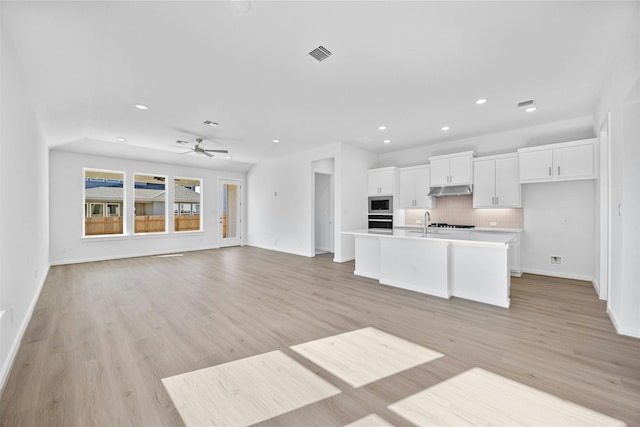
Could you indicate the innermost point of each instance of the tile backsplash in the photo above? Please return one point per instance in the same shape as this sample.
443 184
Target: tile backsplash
459 210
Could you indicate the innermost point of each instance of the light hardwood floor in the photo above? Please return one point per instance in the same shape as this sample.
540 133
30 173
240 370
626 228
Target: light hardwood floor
104 334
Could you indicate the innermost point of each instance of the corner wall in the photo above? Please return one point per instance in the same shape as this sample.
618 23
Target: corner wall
24 209
281 192
620 96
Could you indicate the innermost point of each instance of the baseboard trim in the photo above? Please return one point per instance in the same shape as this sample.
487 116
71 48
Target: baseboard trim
286 251
558 274
15 346
344 259
123 256
634 333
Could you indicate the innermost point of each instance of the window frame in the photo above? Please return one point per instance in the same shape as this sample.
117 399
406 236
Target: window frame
87 206
166 203
201 193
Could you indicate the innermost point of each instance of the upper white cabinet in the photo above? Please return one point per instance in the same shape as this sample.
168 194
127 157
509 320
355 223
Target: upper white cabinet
452 169
558 162
383 181
496 182
414 187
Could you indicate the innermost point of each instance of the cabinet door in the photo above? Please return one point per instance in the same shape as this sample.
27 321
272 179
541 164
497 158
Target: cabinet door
574 162
439 172
536 166
386 181
407 189
460 170
484 184
374 183
507 183
422 187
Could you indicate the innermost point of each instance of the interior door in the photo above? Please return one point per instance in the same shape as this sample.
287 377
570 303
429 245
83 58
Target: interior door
230 213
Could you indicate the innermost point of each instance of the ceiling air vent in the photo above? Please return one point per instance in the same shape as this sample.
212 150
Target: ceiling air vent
320 53
525 104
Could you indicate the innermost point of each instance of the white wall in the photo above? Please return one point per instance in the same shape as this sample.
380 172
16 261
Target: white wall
281 192
66 201
559 221
24 211
353 165
618 96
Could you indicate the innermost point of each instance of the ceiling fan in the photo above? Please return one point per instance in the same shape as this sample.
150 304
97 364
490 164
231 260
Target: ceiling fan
199 148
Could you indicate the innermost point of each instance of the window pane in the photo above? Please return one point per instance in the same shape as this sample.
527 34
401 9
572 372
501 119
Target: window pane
150 200
103 189
187 200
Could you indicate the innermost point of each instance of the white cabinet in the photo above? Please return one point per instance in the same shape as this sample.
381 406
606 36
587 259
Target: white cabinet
383 181
414 187
452 169
496 182
558 162
515 264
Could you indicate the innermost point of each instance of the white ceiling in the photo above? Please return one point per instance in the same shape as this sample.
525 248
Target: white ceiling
412 66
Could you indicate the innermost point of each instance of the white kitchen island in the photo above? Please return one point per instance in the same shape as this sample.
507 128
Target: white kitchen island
470 264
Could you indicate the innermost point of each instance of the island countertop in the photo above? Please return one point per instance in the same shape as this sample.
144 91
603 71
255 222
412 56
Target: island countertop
452 235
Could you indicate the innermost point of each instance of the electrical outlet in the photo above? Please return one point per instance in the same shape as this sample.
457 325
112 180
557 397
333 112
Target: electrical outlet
417 221
555 259
493 223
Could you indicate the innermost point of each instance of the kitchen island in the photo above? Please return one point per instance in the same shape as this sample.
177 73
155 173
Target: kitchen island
470 264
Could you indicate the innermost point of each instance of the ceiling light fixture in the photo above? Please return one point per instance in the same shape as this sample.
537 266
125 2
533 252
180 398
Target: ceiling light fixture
275 141
121 139
383 127
445 128
387 141
141 107
481 101
228 157
531 109
210 123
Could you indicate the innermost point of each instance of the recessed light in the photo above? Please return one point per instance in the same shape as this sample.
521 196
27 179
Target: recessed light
383 127
141 107
481 101
275 141
387 141
445 128
121 139
531 109
210 123
228 157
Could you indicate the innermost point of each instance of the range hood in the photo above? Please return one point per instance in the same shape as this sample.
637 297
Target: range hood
452 190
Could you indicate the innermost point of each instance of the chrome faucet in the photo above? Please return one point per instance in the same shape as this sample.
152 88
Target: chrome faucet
427 220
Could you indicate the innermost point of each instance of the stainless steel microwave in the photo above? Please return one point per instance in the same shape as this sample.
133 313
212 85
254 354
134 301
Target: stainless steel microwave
381 204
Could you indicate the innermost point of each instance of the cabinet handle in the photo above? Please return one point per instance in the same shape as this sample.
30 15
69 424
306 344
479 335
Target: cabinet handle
493 200
496 200
549 170
558 170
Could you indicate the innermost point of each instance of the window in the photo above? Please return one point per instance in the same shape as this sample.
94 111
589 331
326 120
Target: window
150 201
103 201
186 206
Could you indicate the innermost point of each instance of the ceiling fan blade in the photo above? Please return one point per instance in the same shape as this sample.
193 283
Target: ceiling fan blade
207 154
217 151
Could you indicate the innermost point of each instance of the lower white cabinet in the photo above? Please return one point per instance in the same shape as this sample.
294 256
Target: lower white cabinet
515 263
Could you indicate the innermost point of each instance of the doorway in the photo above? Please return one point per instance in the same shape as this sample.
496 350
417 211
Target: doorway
323 207
230 213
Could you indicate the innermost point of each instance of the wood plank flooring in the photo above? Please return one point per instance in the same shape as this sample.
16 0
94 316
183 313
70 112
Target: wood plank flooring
104 334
